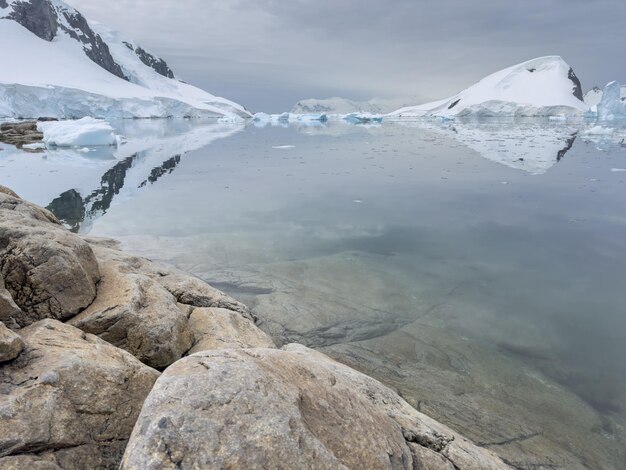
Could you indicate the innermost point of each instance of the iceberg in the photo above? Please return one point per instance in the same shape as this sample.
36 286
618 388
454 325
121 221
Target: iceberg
611 105
365 118
85 132
546 86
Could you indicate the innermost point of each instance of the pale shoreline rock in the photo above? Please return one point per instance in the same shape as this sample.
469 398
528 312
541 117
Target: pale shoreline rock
11 344
289 408
69 392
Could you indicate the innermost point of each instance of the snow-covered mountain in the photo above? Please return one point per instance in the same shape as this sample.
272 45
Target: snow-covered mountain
345 106
541 87
55 63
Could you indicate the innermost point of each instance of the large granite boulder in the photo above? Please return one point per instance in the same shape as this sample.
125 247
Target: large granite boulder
218 328
290 408
49 272
69 401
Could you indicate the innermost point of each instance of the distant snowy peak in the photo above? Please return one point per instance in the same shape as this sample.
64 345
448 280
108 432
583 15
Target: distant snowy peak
345 106
335 106
62 65
540 87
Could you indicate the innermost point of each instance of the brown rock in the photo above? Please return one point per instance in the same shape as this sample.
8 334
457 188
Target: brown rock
49 272
187 289
69 400
292 408
135 313
218 328
11 344
8 308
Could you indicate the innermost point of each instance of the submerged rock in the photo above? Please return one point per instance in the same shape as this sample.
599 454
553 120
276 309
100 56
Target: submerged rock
291 408
69 401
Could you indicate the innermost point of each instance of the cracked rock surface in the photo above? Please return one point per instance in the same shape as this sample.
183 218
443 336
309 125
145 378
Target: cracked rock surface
49 272
289 408
70 400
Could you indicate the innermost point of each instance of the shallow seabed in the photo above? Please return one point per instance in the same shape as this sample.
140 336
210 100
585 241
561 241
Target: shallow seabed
477 267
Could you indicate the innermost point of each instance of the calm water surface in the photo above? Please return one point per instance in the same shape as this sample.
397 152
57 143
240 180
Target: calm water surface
505 236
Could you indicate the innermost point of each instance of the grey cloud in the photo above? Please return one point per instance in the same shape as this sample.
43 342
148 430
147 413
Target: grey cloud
267 54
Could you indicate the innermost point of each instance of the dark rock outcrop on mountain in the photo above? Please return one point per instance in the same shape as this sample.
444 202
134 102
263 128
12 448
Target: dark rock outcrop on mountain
37 16
93 45
578 89
155 63
43 19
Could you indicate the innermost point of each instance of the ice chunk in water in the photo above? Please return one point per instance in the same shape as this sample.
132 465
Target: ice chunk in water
611 105
80 133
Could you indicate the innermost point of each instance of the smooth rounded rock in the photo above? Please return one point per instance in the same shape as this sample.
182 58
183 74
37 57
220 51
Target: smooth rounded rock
70 400
292 408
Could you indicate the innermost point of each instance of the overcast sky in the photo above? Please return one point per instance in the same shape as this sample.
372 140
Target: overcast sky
268 54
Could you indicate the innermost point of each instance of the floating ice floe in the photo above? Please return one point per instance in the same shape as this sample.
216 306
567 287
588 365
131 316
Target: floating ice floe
85 132
363 118
34 146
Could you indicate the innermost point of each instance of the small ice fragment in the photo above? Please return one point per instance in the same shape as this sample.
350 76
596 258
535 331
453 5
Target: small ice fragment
618 170
282 147
34 146
357 201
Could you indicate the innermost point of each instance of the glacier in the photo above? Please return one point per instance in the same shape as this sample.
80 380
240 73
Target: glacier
65 67
546 86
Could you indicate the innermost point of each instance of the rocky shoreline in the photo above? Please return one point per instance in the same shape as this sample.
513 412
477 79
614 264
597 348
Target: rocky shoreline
109 360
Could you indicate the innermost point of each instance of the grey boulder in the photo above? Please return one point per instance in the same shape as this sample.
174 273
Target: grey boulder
11 344
282 409
70 400
218 328
49 272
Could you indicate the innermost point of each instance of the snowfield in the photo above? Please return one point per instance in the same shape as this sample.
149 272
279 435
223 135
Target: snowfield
546 86
57 79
